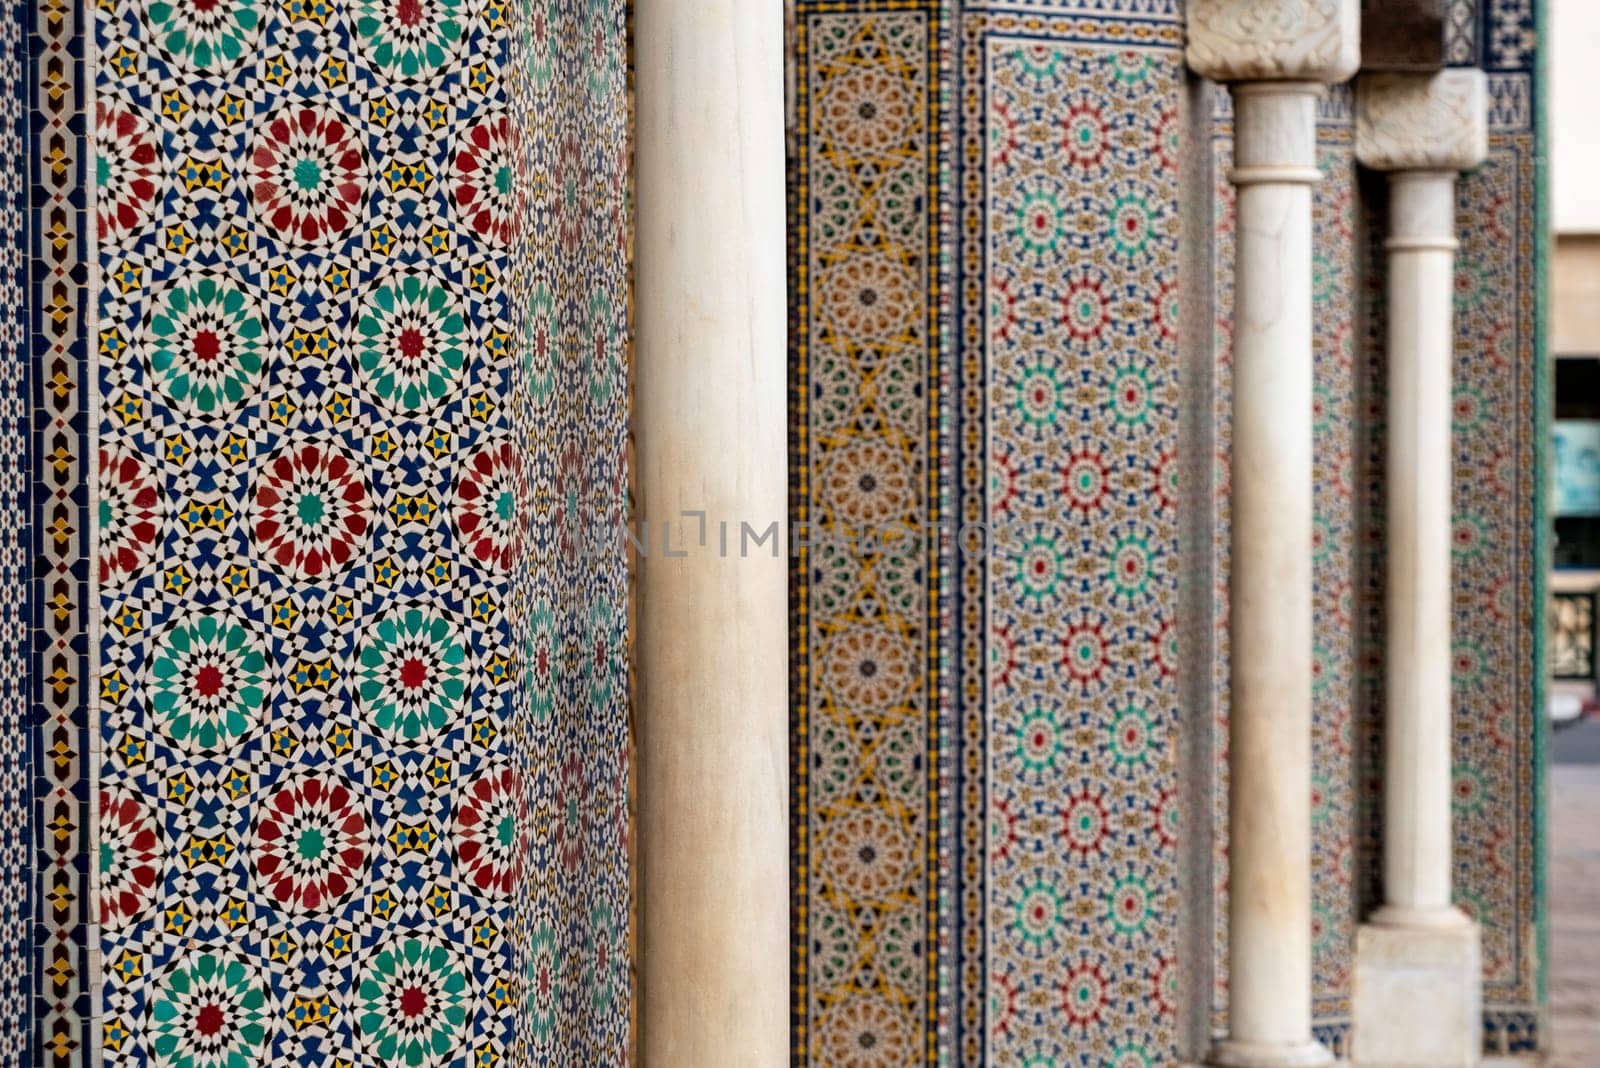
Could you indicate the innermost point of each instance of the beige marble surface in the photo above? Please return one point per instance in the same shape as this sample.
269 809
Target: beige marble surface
710 446
1417 122
1417 843
1418 997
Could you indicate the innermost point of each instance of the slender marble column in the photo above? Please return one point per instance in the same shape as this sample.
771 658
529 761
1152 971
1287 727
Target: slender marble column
1278 56
1417 963
709 423
1416 846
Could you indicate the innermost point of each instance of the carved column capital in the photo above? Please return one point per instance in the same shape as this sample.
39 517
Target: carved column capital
1416 122
1275 40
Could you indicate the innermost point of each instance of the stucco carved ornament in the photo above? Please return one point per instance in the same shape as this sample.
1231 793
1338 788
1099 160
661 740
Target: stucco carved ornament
1275 40
1407 122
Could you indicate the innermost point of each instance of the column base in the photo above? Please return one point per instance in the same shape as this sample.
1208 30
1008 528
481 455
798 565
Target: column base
1418 991
1232 1053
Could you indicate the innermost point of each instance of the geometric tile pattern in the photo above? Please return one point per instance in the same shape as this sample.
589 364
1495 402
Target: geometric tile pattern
1338 504
1067 440
61 405
346 752
1496 559
1079 228
362 359
16 815
1223 245
866 298
1500 540
984 749
1078 312
565 462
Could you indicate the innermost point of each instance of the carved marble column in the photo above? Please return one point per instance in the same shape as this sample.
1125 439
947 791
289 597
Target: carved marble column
1418 975
1276 55
711 473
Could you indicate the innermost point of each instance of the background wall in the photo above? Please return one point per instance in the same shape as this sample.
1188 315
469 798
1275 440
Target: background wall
1574 39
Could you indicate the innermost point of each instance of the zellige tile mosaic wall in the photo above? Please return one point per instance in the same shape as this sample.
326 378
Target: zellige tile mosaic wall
985 300
362 717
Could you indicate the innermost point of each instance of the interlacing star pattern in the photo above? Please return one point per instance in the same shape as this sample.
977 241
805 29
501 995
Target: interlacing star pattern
349 694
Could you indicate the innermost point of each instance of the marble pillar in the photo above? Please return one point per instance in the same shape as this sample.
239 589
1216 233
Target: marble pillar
1276 58
710 464
1418 973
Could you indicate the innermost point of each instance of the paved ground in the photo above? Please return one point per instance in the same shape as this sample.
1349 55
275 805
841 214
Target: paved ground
1578 744
1575 899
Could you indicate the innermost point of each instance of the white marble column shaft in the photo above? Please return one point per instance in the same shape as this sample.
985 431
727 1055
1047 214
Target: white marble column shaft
1418 986
1276 57
709 425
1416 843
1269 859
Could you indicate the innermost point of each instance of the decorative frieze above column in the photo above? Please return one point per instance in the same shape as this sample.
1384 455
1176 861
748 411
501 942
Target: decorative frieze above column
1275 40
1422 122
1278 54
1418 986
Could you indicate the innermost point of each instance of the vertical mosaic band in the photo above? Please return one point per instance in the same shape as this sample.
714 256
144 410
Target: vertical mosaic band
867 285
61 435
1497 565
303 216
1075 329
566 396
17 894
